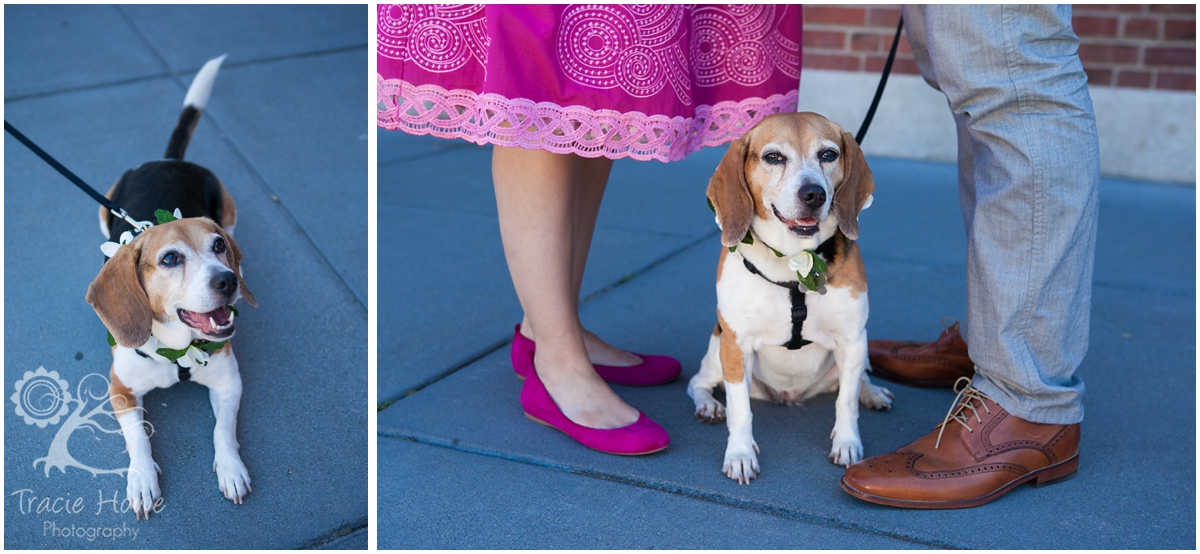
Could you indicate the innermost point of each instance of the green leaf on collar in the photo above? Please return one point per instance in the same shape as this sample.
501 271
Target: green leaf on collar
209 346
748 239
819 265
809 282
164 217
778 254
816 279
234 310
111 340
813 282
710 204
733 248
171 353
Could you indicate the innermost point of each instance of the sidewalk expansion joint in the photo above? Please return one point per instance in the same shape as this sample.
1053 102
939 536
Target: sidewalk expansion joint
488 350
762 507
241 154
448 149
337 534
483 353
638 273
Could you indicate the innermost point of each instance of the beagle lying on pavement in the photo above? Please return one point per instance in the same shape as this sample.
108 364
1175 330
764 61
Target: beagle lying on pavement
787 197
172 288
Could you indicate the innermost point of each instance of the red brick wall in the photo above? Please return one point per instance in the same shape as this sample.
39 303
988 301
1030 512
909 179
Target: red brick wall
1141 46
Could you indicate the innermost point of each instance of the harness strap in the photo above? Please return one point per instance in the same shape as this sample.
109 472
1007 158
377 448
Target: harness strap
799 309
185 374
797 296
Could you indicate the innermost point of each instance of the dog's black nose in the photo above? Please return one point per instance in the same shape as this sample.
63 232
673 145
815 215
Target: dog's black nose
812 196
224 282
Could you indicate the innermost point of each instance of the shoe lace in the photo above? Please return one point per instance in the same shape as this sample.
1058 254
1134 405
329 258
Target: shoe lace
944 339
967 396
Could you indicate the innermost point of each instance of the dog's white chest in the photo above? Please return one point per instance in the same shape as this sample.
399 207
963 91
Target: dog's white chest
757 311
140 374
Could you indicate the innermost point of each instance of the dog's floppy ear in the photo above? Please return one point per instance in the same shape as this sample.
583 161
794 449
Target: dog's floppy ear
730 195
855 188
118 298
235 260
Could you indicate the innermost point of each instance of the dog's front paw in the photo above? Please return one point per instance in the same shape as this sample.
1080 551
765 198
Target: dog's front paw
141 488
232 477
875 397
710 411
741 464
847 450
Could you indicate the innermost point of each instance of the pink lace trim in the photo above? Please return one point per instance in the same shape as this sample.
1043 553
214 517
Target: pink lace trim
518 122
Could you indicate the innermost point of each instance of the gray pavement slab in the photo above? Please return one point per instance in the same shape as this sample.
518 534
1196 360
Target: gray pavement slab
441 234
186 36
71 46
496 503
299 123
470 420
303 418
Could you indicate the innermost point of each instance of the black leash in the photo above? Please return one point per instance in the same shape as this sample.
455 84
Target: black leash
887 68
116 210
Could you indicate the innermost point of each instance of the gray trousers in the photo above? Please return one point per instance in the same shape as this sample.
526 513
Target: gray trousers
1029 169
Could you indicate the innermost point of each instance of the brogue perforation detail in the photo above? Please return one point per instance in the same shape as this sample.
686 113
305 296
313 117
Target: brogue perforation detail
1049 448
910 465
994 449
926 360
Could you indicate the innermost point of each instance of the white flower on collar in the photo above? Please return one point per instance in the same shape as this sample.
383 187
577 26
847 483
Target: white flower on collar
801 263
192 358
110 248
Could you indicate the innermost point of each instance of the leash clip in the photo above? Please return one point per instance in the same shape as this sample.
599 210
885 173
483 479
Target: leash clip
139 225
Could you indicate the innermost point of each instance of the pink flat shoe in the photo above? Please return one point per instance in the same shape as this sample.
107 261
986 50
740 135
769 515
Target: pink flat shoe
654 370
641 437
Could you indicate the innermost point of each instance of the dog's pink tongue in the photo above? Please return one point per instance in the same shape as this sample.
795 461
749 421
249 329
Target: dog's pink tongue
205 322
220 316
803 221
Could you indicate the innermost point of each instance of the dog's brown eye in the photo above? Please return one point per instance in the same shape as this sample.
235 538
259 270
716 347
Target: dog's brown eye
774 158
219 245
171 259
827 156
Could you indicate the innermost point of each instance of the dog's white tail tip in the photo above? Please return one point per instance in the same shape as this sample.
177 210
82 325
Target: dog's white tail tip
197 94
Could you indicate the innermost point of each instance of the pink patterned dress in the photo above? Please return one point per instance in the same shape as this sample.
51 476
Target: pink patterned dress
640 81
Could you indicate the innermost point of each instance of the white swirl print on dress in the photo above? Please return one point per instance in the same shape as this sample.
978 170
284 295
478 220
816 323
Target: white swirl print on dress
636 47
436 38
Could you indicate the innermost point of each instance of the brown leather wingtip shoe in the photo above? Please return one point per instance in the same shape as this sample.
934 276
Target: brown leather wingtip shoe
922 364
978 453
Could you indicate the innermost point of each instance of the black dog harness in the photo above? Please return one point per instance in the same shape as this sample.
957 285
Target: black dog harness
185 374
799 309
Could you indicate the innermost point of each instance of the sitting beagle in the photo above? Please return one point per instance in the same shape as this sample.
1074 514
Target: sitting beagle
791 288
166 298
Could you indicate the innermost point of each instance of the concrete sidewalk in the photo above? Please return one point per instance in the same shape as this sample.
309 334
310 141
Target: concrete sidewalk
460 467
100 88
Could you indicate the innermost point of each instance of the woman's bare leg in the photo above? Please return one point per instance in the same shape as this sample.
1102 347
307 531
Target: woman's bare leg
593 179
538 197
